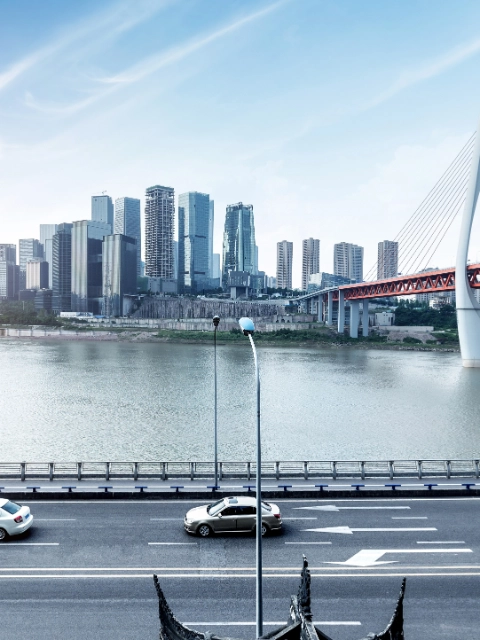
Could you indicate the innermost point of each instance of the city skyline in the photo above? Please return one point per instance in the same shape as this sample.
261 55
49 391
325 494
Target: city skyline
344 155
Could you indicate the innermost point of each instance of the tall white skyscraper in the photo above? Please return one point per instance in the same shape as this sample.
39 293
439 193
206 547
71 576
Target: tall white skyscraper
387 263
127 222
47 231
28 248
284 264
310 260
159 230
102 210
348 261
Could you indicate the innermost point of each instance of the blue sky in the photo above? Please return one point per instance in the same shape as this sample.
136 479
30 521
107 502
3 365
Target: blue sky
333 118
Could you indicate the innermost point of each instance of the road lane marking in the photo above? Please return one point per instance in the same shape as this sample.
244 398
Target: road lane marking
440 542
348 530
55 519
345 623
332 507
345 574
301 542
166 519
293 518
172 543
29 544
409 518
369 557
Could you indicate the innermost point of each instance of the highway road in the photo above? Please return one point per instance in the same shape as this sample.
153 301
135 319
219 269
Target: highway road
85 569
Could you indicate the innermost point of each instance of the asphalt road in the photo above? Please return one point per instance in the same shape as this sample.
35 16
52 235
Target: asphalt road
85 569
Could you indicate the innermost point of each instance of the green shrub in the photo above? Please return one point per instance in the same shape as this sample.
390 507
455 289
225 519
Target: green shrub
411 340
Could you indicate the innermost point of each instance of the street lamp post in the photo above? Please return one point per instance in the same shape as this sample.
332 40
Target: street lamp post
216 321
248 329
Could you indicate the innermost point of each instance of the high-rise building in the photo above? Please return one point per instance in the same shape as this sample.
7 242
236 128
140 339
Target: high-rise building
9 272
387 263
348 261
159 229
216 273
194 225
284 264
119 269
28 248
47 231
62 268
8 253
37 274
211 229
102 210
87 239
239 248
127 222
310 260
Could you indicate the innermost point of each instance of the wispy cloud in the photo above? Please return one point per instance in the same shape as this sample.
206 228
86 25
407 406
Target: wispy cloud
115 20
429 69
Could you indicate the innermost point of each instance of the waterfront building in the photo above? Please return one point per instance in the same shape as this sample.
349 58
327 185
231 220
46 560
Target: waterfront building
9 277
284 264
62 268
127 222
216 273
159 230
102 211
194 225
8 253
87 239
28 248
43 300
37 274
310 259
271 282
47 231
211 225
239 248
348 261
119 272
387 261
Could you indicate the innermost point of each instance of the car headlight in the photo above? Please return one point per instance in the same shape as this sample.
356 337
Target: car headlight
188 521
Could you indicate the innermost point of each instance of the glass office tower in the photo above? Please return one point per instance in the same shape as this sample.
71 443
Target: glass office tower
62 268
102 211
239 249
194 227
47 231
87 239
127 222
119 258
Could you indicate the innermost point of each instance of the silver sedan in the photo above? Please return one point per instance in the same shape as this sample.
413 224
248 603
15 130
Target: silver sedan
14 518
235 514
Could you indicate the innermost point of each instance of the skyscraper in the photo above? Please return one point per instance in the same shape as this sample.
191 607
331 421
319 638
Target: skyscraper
387 263
211 228
310 260
37 274
159 229
87 238
119 272
102 210
9 272
348 261
127 222
47 231
284 264
62 268
239 249
28 248
194 225
8 253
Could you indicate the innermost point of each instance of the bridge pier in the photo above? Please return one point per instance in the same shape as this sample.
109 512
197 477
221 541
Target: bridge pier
354 318
329 321
320 309
365 318
468 309
341 312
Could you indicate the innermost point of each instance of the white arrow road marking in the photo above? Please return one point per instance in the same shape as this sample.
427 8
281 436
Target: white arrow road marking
349 530
369 557
332 507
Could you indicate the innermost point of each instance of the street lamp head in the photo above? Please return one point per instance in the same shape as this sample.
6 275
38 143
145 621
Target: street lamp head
247 326
216 321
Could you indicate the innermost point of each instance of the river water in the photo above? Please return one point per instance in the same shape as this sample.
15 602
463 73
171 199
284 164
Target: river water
141 401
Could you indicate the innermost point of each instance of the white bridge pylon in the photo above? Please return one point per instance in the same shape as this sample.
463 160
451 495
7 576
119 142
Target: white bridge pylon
468 309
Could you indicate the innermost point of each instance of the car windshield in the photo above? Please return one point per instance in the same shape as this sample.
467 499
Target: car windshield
215 507
11 507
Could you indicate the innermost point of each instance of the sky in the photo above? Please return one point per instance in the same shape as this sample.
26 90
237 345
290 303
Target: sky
332 118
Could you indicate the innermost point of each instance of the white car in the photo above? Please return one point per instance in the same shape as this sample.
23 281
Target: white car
14 518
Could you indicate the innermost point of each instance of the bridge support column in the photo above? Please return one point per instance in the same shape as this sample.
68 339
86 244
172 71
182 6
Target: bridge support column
354 318
468 309
341 311
320 309
329 321
365 318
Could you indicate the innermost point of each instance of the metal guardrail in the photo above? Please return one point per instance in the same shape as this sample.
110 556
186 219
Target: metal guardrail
362 469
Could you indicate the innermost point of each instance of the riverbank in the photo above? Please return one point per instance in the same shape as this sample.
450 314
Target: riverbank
320 337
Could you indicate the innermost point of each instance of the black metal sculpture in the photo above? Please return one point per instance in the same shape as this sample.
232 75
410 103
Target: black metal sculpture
299 626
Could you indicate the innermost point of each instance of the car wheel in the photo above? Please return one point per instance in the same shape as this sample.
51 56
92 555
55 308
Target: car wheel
204 531
265 530
3 534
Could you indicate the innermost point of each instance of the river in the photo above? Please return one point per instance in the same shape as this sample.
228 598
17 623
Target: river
69 401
